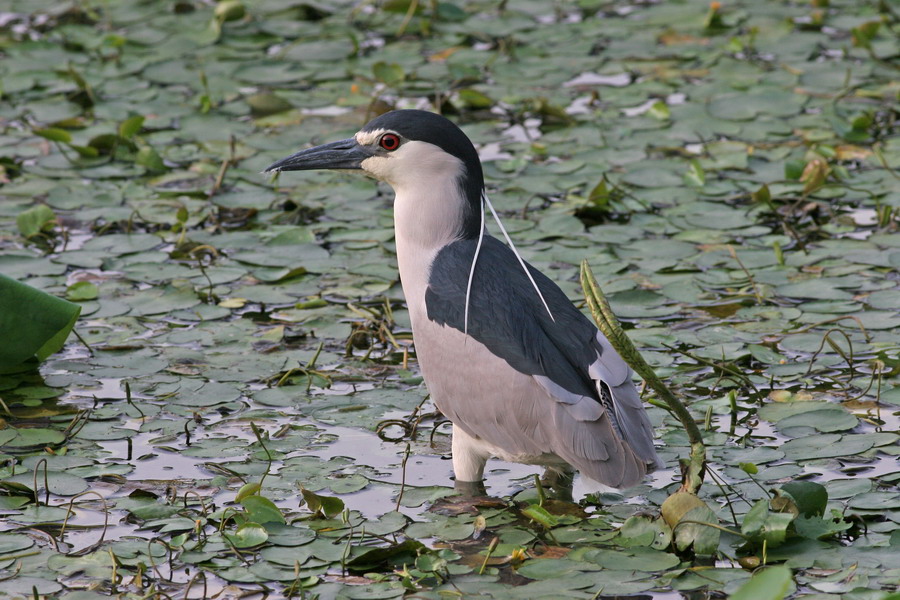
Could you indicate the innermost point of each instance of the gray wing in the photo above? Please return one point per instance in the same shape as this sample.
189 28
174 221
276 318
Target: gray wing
566 355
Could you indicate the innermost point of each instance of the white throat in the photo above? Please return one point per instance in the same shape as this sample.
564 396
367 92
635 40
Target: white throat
428 208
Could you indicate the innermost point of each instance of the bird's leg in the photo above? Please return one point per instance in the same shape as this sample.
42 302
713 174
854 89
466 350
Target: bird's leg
469 459
560 480
469 488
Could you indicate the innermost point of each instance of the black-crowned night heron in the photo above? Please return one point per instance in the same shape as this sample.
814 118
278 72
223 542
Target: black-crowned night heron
523 375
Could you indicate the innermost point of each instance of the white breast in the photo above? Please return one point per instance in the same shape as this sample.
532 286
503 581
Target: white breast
428 210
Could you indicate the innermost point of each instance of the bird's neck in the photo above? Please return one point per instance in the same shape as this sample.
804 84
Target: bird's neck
427 218
437 203
430 217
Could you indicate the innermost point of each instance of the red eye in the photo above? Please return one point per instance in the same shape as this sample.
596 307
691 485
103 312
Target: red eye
389 141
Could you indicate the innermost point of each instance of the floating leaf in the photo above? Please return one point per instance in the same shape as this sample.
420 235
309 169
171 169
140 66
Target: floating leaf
771 583
553 568
475 99
148 158
793 169
763 526
695 175
392 556
230 10
267 103
448 11
85 151
814 174
660 111
55 135
693 523
817 528
35 220
248 535
762 195
248 489
262 510
58 483
826 445
864 34
327 506
38 322
130 127
14 542
641 531
388 74
748 468
81 291
540 515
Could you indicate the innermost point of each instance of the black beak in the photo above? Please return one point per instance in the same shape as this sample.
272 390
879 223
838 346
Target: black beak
343 154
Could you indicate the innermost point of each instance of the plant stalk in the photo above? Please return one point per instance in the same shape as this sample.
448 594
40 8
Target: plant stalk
695 466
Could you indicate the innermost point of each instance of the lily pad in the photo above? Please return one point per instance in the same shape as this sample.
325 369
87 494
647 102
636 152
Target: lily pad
825 446
38 322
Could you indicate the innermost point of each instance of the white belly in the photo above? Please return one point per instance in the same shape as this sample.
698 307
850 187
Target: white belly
502 410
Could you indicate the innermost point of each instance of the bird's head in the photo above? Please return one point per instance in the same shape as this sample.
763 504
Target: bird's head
414 151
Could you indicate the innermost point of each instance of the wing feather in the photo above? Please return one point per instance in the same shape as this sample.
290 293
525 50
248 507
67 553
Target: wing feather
565 355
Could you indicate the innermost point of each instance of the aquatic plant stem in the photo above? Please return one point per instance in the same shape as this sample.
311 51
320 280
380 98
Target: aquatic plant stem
606 321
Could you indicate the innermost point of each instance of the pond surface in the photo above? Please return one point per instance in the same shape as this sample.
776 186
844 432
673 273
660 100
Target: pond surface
729 171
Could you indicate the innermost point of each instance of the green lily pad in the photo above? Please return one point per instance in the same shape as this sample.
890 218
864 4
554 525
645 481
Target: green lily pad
38 322
14 542
36 436
554 568
772 583
247 535
636 559
730 173
262 510
59 484
825 446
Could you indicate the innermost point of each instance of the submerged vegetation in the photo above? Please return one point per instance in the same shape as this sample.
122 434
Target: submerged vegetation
243 412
